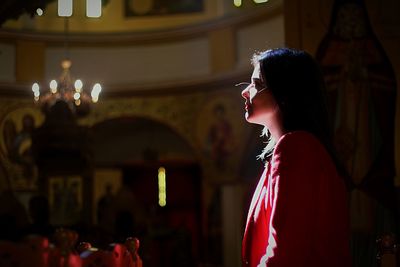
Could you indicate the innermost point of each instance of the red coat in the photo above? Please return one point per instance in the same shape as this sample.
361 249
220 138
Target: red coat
298 215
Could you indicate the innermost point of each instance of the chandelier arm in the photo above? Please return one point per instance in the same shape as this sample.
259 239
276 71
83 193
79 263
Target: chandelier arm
66 36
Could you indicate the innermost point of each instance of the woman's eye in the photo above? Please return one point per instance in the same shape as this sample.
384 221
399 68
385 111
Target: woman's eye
258 86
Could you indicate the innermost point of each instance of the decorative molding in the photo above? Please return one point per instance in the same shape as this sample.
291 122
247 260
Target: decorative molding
136 38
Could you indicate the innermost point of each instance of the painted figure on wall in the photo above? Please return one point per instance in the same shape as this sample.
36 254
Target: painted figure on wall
65 197
361 97
18 146
9 134
105 207
220 137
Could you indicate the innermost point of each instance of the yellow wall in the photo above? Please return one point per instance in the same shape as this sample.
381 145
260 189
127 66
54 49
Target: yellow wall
114 20
29 61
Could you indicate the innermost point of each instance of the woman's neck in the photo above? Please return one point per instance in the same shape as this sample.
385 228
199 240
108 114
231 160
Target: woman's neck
275 126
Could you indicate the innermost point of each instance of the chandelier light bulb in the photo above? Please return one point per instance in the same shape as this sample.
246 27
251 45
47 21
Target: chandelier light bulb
237 3
39 12
95 92
97 88
36 94
77 96
53 86
78 85
35 87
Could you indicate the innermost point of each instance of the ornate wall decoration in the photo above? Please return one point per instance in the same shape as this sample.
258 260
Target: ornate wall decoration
362 99
178 112
211 123
17 121
65 199
221 133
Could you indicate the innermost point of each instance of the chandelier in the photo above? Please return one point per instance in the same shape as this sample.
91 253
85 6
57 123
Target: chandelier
67 90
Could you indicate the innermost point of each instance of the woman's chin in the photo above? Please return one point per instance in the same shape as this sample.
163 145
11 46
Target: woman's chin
249 118
254 119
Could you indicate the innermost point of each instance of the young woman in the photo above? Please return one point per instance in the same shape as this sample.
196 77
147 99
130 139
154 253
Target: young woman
298 215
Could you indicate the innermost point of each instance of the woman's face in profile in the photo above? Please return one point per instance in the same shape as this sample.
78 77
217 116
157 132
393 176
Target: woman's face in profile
260 103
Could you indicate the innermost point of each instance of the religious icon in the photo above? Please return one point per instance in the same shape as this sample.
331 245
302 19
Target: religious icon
65 197
16 148
219 137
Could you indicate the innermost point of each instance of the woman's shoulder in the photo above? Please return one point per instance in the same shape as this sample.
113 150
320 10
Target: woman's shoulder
299 148
299 144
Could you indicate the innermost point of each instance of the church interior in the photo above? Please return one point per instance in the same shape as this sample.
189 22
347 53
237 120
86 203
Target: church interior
121 119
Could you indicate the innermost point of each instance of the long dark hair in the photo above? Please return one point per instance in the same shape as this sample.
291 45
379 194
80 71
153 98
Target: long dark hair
298 86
